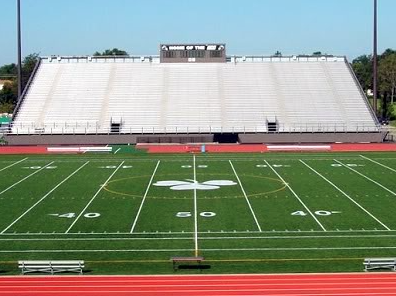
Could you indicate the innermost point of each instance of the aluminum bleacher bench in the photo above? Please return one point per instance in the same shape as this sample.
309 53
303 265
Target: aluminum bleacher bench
177 260
376 263
51 266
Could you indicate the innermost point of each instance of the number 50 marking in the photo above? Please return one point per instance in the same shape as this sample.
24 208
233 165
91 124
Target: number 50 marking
202 214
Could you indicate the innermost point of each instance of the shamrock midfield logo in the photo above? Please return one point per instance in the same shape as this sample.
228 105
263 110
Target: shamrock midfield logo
194 185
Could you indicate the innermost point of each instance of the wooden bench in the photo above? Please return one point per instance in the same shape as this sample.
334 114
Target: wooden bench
375 263
176 261
51 266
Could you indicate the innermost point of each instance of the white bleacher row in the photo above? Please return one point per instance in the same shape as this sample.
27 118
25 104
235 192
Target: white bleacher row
223 97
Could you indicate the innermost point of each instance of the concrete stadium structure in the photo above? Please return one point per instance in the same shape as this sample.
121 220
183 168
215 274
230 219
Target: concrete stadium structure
250 99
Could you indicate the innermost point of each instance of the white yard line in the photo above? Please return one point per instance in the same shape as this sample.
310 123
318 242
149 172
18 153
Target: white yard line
296 196
27 177
364 176
93 198
13 164
376 162
144 198
195 211
52 190
245 195
346 195
206 250
117 150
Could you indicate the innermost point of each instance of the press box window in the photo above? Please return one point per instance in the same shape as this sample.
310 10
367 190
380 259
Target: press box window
216 54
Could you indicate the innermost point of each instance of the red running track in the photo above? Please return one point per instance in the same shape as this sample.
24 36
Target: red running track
346 284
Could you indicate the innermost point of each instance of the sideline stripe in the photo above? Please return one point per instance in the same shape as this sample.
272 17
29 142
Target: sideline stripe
117 150
201 238
92 199
195 211
13 164
27 177
345 194
144 197
295 194
208 260
191 232
206 250
364 176
376 162
52 190
213 157
247 199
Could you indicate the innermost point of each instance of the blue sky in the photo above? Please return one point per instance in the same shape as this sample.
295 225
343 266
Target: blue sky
81 27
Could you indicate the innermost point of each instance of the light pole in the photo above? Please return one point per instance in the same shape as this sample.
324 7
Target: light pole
19 49
375 61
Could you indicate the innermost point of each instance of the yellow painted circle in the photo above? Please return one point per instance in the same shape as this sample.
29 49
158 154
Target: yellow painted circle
110 184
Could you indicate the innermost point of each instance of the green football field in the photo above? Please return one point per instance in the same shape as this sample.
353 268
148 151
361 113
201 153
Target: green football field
128 214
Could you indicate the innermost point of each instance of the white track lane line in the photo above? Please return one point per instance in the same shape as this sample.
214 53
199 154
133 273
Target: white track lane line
52 190
93 198
144 197
346 195
246 198
296 196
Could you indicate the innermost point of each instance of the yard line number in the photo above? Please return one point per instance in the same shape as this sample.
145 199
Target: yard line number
37 167
317 213
202 214
73 215
351 165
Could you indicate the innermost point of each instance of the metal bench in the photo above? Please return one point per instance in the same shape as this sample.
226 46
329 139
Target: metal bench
376 263
177 260
51 266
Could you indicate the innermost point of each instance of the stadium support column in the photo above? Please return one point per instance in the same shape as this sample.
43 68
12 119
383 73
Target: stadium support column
19 49
375 61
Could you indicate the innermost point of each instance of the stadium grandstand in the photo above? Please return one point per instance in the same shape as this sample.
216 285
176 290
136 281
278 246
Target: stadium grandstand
193 93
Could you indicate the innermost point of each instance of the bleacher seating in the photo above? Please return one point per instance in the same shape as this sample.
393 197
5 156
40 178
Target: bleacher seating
78 95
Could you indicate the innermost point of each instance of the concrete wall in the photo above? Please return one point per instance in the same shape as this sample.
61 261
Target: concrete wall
193 138
104 139
311 138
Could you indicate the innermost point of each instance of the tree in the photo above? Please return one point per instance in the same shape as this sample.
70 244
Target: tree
8 70
112 52
317 53
277 54
8 97
387 74
363 68
386 53
28 65
9 93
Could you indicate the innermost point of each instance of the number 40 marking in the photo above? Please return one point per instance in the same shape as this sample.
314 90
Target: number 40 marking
73 215
317 213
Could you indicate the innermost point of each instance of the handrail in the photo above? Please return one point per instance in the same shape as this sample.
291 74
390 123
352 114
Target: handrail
92 128
365 99
27 86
